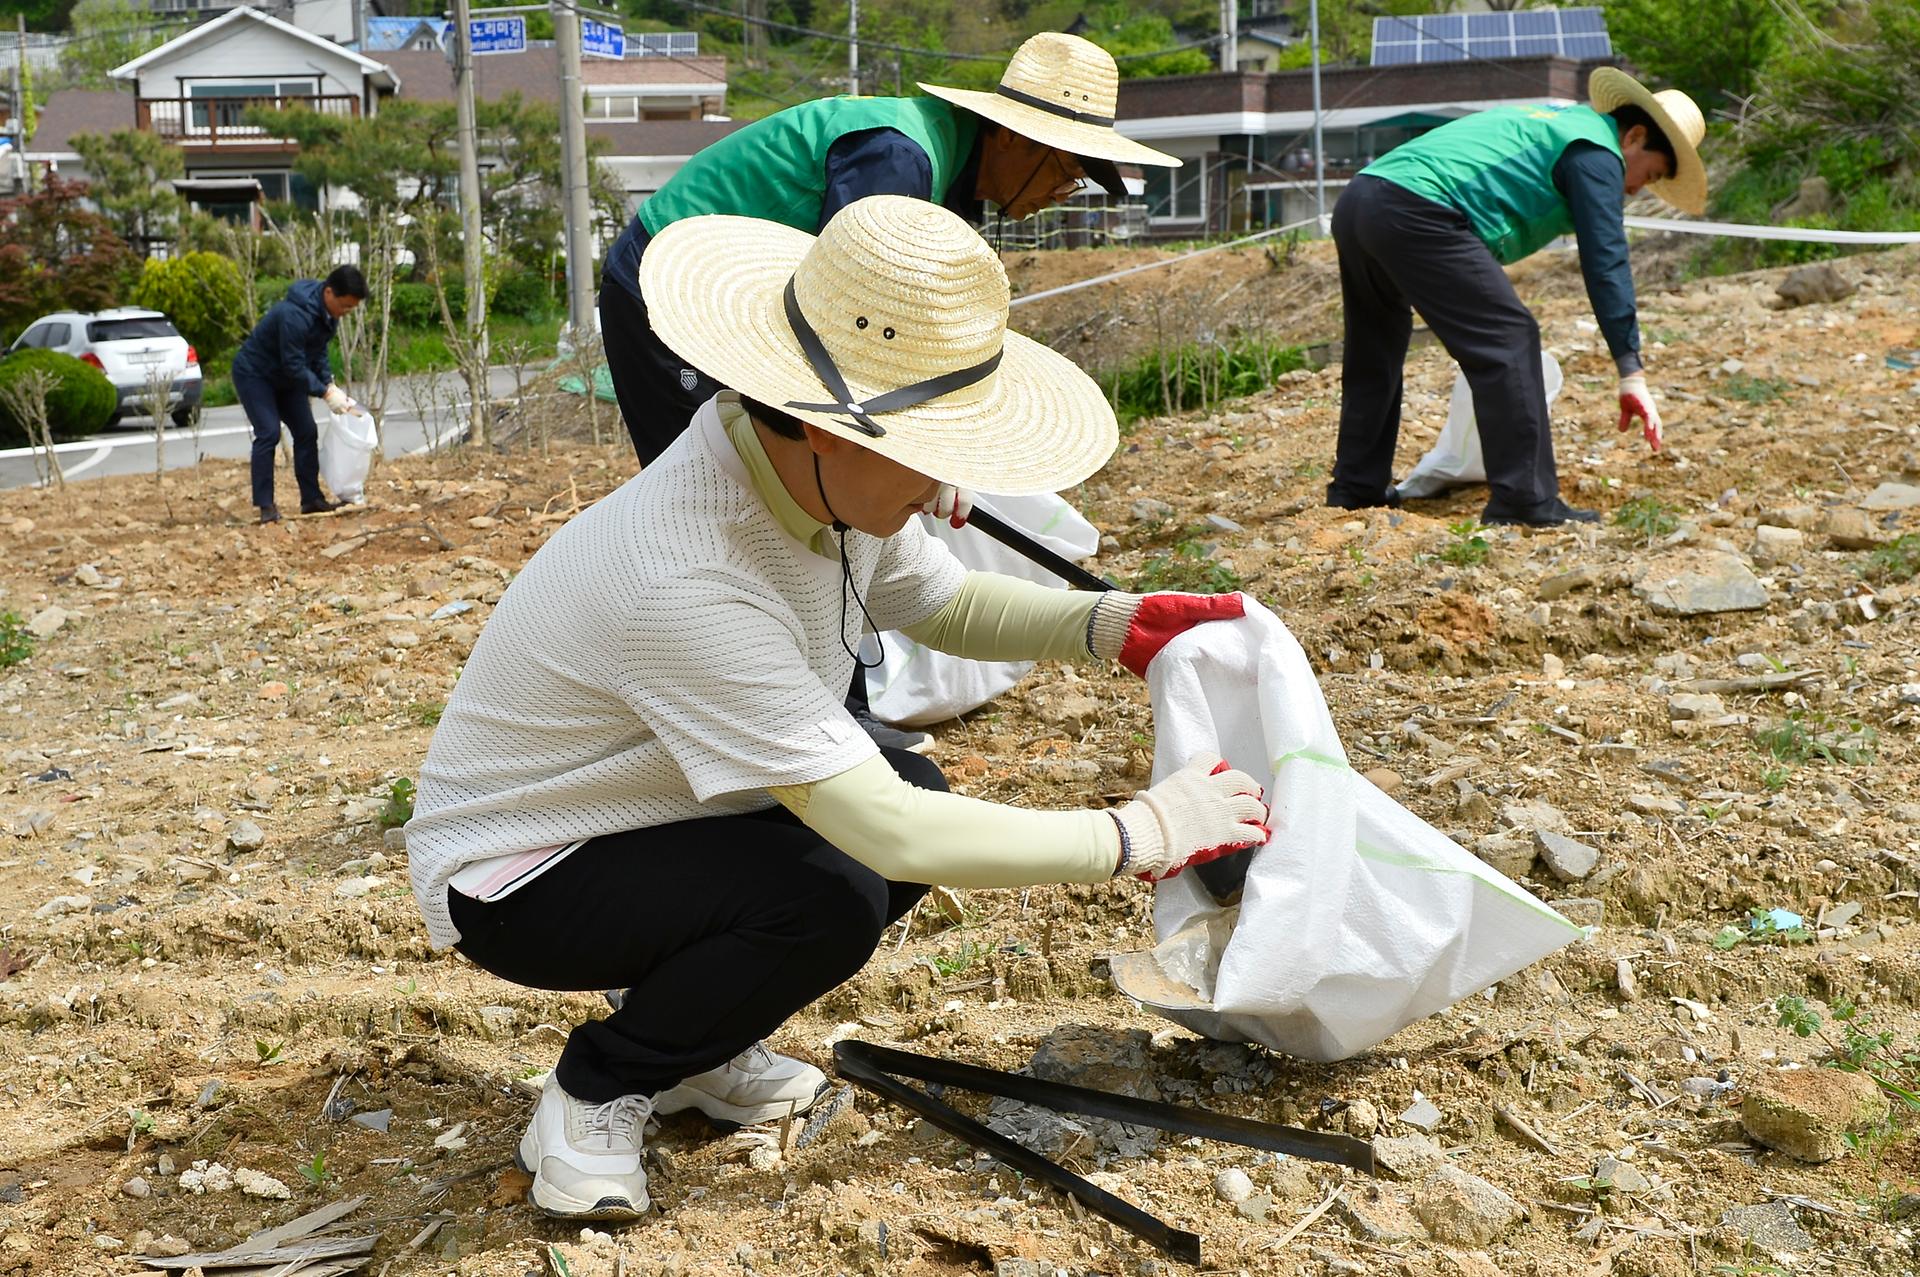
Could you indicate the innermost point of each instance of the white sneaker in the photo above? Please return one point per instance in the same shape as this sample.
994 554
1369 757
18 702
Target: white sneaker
585 1158
754 1086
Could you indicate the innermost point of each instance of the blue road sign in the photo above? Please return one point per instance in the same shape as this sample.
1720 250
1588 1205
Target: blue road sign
602 39
497 35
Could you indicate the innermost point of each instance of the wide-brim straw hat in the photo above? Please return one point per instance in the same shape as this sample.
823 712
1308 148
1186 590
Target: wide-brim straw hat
897 291
1678 117
1061 91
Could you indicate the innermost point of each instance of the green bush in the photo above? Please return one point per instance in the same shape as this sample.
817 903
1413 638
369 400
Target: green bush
415 306
524 294
203 296
269 289
81 400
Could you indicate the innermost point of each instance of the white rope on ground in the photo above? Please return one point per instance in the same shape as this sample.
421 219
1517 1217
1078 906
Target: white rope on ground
1803 234
1135 270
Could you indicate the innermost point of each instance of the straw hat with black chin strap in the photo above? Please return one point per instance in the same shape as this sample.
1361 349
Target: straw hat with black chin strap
1678 117
1061 91
888 330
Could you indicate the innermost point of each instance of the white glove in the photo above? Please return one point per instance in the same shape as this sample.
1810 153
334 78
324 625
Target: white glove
950 503
337 399
1636 400
1202 812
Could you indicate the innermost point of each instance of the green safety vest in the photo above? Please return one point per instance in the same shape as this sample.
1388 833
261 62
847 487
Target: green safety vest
1496 167
775 168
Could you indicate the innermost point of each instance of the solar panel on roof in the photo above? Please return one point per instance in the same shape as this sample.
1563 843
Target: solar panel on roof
1457 37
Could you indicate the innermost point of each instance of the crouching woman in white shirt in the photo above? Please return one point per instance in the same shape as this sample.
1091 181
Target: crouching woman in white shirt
646 778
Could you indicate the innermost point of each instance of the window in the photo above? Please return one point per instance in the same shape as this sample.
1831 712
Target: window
56 336
138 329
1176 194
612 108
30 339
208 112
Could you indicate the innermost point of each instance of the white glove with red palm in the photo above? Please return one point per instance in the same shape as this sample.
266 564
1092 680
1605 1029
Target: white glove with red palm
1637 401
952 504
1202 812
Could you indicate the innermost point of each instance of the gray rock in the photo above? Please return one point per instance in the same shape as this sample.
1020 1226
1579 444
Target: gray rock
1770 1228
499 1021
1423 1115
1256 1208
1538 814
1585 577
1808 1113
1581 911
1698 583
1232 1185
1656 805
1625 980
378 1120
1381 1219
46 622
1778 542
1292 1179
1464 1210
1851 529
1569 859
137 1188
1893 496
1508 851
1812 199
1148 509
246 836
1625 1177
1820 282
1687 705
1014 1266
1221 523
1078 1055
1407 1157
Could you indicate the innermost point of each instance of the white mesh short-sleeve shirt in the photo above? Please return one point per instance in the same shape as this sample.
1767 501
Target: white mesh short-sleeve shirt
668 655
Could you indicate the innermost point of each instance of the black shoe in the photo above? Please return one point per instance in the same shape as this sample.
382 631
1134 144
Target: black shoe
1548 514
269 514
1346 499
890 737
322 506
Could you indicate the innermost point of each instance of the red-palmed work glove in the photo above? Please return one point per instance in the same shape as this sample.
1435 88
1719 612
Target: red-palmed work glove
1132 628
952 504
1637 401
1202 812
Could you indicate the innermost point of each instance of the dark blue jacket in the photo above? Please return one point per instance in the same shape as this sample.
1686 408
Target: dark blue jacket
288 347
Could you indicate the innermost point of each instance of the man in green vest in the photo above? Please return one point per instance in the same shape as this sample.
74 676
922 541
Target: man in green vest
1024 146
1429 226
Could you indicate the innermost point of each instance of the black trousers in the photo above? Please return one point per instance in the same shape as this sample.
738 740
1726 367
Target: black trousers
657 390
1400 253
266 406
719 929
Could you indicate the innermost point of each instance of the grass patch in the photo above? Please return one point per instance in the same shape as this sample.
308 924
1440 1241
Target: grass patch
1750 389
1187 567
1804 736
1468 546
1898 560
426 713
1651 517
1196 377
399 808
16 641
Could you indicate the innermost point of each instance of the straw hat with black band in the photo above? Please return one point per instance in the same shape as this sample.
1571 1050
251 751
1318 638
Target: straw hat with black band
1678 117
889 330
1061 91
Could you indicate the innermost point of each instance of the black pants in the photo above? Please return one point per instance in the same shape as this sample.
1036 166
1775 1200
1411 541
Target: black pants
1400 251
657 390
720 929
266 406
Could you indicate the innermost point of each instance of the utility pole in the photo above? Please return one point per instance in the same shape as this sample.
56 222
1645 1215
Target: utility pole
475 257
1229 35
853 47
573 150
1319 151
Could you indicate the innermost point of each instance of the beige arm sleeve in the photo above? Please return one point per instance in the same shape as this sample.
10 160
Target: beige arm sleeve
1002 618
908 834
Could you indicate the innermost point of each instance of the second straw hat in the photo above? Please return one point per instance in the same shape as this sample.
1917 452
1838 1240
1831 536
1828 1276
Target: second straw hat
904 302
1678 117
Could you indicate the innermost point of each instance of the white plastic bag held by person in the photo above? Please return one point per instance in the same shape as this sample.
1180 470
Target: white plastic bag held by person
1357 918
346 454
916 685
1455 459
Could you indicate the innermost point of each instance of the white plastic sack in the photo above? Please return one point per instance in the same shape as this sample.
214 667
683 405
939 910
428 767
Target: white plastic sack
916 685
1357 918
1455 458
346 454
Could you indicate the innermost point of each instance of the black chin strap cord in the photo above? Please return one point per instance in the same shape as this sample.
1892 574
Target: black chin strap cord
846 577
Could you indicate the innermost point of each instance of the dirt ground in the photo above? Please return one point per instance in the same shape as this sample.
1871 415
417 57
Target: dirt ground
208 952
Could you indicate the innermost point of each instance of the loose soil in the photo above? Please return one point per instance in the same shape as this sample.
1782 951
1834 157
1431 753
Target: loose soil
167 997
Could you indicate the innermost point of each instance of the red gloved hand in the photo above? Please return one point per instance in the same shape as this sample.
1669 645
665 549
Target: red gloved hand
1637 401
1202 812
1161 618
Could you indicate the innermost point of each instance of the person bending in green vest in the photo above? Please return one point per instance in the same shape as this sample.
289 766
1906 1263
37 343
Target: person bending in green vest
1428 227
1024 146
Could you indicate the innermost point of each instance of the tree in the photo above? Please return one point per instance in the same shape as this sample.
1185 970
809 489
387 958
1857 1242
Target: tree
1346 26
203 296
107 33
130 171
55 253
1713 49
1126 35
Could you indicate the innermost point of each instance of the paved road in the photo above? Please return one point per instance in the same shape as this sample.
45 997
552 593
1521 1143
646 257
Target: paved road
224 433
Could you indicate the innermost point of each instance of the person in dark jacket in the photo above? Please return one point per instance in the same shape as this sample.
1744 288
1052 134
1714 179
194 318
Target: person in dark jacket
1429 226
281 368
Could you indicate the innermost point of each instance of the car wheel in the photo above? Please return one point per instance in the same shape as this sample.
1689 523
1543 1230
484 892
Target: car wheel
183 418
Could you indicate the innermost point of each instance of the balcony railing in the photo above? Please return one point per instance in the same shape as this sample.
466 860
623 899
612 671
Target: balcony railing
222 121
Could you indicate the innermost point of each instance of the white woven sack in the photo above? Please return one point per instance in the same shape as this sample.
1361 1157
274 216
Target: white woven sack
346 454
1357 918
915 685
1455 459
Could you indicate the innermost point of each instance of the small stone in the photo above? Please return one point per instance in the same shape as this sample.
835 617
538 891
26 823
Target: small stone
394 839
1625 981
1464 1210
1508 851
1808 1113
1221 523
1656 805
403 638
1361 1118
274 690
165 1165
45 623
167 1246
1770 1228
1688 705
1623 1176
1581 911
1256 1208
482 522
1408 1157
1382 1220
1820 282
1892 496
64 904
260 1184
1291 1179
1851 529
1423 1115
499 1021
1731 366
1232 1186
378 1120
1015 1266
1778 542
1148 510
354 888
764 1157
1700 582
1568 859
246 836
137 1188
1384 779
1564 583
358 811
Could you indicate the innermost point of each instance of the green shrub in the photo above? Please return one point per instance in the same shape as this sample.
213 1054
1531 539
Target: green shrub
81 400
203 296
269 289
1197 377
525 294
415 306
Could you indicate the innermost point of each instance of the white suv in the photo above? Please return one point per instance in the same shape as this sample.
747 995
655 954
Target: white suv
127 344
